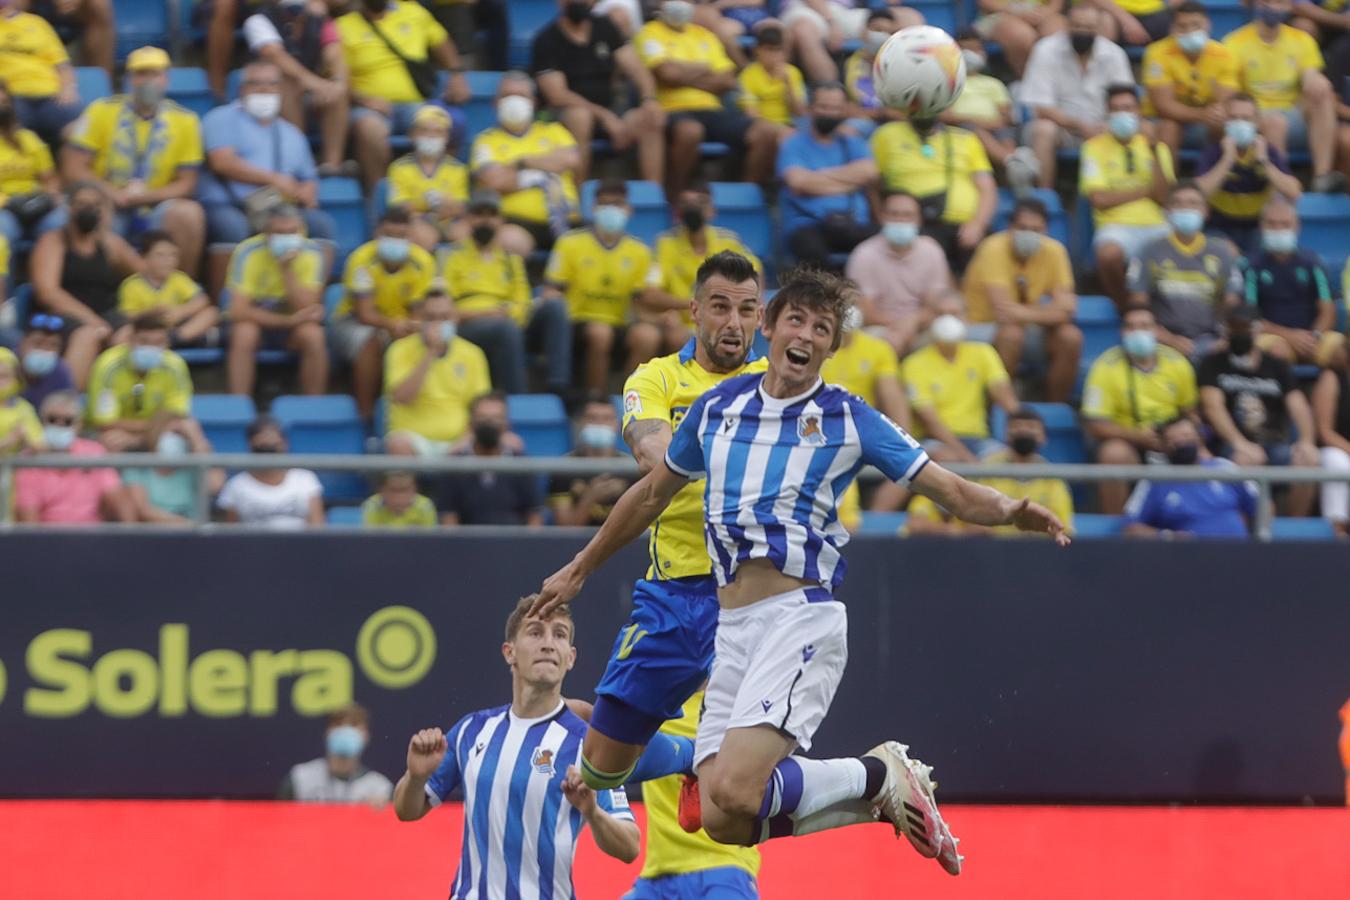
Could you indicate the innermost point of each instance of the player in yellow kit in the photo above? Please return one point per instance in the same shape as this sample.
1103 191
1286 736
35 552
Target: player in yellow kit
665 651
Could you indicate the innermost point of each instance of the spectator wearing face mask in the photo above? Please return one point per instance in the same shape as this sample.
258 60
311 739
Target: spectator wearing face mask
164 288
984 108
866 110
29 184
771 88
339 776
276 284
1021 294
44 371
825 174
1290 289
1190 281
599 271
168 496
69 496
1189 509
533 166
1130 390
1025 437
398 504
430 378
1331 412
1188 77
282 499
898 273
1017 26
492 297
581 500
133 382
430 183
1066 78
489 498
20 429
952 382
36 69
382 280
1241 174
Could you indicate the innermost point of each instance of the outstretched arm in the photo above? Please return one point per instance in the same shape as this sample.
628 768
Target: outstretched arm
982 505
616 836
636 510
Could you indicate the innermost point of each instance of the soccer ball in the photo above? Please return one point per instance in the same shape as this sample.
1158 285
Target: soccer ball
919 71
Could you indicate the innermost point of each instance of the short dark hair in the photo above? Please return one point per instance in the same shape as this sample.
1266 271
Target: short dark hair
1185 184
1135 306
155 236
150 321
697 185
730 265
1025 414
264 422
498 396
880 12
517 616
396 215
968 34
828 86
769 36
1114 90
1030 205
1189 6
392 474
1241 97
889 195
352 714
612 187
817 291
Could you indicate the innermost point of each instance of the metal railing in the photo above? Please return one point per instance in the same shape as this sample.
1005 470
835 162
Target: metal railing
1263 477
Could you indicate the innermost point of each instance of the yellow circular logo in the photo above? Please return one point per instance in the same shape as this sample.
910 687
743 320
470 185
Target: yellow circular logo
2 682
396 646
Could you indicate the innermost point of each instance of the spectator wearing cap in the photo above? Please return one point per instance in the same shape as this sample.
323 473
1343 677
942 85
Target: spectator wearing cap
984 108
282 499
1018 26
692 72
586 501
300 37
44 371
29 185
489 498
1289 287
771 88
825 174
254 160
36 69
69 496
1021 294
20 429
76 271
533 165
492 295
1208 509
90 23
598 271
276 297
1331 412
163 288
146 151
899 272
1252 402
398 505
339 776
383 279
867 111
133 382
430 183
1188 77
430 378
388 45
575 59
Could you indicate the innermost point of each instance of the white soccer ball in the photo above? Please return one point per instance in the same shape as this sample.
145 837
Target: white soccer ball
919 71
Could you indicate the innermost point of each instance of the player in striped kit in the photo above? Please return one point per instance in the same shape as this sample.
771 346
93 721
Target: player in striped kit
522 815
778 450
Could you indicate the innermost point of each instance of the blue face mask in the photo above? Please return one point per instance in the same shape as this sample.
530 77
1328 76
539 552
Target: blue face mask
146 358
346 741
597 437
1279 241
1186 222
1267 16
171 443
1140 344
58 437
448 330
1193 41
1242 132
900 234
40 363
392 250
281 244
1123 125
611 219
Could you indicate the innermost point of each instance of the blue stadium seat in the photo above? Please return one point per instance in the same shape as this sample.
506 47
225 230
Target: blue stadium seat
224 419
620 444
1289 529
328 424
379 202
883 523
527 17
1058 226
22 301
341 198
92 83
1326 223
939 13
141 22
742 208
188 88
651 215
1095 525
481 110
332 296
1226 16
1063 437
541 422
232 79
349 516
1100 323
202 356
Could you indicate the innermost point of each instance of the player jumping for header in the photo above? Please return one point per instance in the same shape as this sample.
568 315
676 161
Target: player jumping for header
778 450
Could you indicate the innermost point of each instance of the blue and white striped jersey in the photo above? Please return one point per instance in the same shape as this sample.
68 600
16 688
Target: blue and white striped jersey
776 469
520 832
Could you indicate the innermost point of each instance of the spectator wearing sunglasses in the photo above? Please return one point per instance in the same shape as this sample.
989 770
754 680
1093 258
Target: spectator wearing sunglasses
19 427
133 382
69 496
44 371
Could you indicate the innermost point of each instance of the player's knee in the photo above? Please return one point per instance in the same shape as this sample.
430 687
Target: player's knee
722 828
734 797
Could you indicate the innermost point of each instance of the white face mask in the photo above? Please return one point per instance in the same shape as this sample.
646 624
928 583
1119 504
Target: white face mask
263 107
515 111
429 146
948 329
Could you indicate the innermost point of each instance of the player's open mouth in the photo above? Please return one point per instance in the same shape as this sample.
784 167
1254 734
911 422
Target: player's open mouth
730 342
799 357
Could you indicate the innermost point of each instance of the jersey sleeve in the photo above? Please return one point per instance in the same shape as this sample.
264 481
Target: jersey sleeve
1308 54
1139 508
615 802
991 364
684 456
1098 398
886 445
447 775
645 396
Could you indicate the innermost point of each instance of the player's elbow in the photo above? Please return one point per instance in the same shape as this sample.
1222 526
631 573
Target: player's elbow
629 846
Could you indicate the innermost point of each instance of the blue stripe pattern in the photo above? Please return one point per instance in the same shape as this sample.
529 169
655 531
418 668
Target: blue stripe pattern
482 808
548 821
515 808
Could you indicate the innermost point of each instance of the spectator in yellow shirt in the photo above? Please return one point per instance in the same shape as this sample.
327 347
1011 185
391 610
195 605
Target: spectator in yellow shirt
430 379
147 152
951 383
20 429
1189 77
492 295
430 182
1021 294
275 283
867 366
30 190
383 279
133 382
90 23
532 165
398 504
1130 391
36 69
985 109
162 288
384 42
692 72
1281 67
772 88
599 271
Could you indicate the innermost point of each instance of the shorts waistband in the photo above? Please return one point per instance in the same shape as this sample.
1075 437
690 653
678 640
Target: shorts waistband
806 595
692 584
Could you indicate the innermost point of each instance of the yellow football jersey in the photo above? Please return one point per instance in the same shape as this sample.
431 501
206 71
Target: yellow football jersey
768 96
30 51
22 166
118 391
127 147
411 187
137 295
857 365
956 389
255 272
478 283
1119 392
1273 73
1194 82
677 261
598 281
375 69
374 514
496 146
948 159
664 389
394 291
1109 165
657 42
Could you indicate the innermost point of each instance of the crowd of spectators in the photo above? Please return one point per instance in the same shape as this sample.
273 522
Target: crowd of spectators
145 230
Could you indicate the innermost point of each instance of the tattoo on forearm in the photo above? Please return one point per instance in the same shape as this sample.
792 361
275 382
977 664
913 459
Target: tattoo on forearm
642 428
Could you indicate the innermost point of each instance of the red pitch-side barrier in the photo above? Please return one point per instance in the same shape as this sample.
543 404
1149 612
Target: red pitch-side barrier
141 850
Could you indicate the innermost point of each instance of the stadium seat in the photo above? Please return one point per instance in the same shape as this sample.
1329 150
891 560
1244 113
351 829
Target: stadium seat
939 13
1058 226
619 443
883 523
92 83
202 356
742 208
328 424
1289 529
481 111
1087 526
379 202
1326 224
650 216
541 422
332 296
188 88
141 22
1226 16
527 17
349 516
341 199
1063 437
22 302
1100 323
224 419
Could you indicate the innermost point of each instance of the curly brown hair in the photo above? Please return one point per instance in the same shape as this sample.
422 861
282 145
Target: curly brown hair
816 291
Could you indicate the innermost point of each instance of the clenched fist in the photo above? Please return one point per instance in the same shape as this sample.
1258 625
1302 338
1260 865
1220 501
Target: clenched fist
425 752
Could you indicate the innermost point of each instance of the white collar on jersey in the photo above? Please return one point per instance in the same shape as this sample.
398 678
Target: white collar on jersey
535 721
785 402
